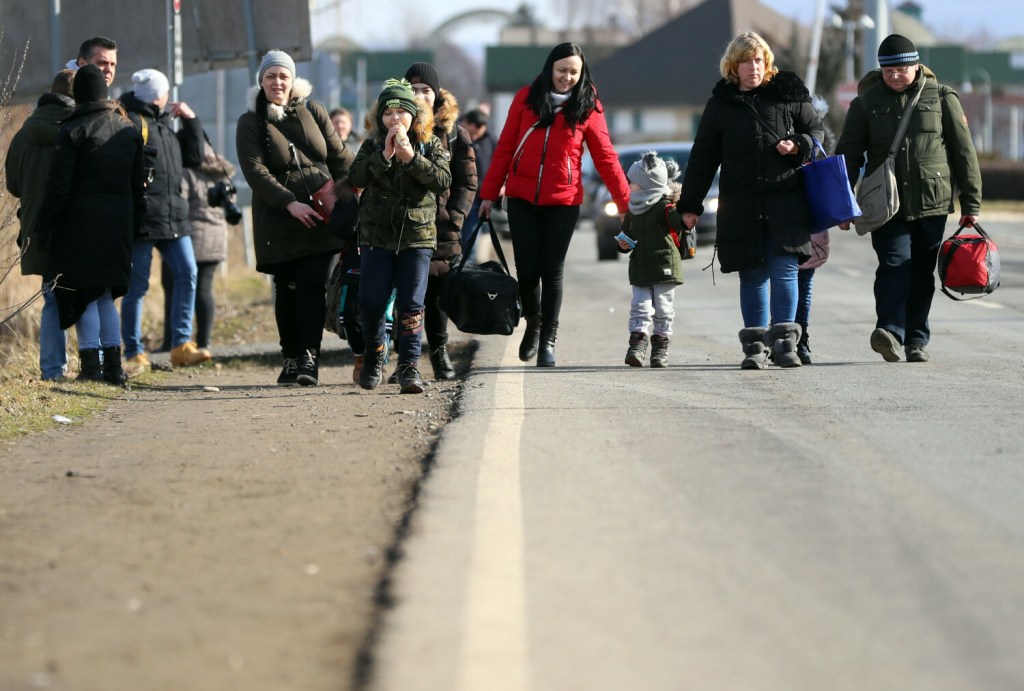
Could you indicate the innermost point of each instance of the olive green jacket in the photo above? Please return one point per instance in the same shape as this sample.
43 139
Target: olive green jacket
398 205
655 259
936 156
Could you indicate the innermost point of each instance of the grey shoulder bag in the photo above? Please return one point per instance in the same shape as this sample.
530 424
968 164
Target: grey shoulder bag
877 194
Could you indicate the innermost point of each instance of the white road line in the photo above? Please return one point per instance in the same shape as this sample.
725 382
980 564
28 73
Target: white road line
494 653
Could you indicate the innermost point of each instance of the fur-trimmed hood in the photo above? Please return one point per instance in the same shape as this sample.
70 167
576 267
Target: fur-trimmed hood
422 125
785 86
446 111
301 91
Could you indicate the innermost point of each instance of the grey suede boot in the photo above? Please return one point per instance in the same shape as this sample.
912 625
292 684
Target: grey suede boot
782 339
752 339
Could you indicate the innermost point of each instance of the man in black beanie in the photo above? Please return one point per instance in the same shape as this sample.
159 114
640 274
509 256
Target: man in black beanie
452 206
937 150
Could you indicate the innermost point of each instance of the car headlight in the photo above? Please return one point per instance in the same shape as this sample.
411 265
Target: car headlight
711 205
610 209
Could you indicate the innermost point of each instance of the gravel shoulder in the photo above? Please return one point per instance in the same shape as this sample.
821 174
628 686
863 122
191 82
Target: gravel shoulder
212 531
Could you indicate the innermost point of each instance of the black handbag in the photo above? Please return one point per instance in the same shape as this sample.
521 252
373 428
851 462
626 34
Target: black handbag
482 298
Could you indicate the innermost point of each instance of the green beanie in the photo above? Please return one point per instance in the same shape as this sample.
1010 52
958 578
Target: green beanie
397 93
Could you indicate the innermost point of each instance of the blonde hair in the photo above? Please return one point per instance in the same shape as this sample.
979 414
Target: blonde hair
743 48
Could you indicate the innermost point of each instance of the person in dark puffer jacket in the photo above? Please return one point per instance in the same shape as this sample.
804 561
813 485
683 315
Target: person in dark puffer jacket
758 126
452 206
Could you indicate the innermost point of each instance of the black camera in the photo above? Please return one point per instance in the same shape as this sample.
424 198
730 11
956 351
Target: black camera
223 194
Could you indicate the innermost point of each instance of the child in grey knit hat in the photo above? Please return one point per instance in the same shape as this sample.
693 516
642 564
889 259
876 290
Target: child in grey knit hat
652 232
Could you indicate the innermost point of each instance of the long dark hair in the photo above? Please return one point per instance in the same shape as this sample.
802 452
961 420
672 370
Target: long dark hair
582 98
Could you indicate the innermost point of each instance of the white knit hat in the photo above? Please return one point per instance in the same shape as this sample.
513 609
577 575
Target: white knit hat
149 85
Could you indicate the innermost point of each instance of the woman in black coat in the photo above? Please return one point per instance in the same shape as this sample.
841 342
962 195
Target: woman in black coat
94 204
758 126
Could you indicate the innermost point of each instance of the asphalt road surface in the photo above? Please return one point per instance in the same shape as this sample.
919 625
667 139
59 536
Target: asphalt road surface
853 524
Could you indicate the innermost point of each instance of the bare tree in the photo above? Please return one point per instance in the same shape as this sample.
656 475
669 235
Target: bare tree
11 65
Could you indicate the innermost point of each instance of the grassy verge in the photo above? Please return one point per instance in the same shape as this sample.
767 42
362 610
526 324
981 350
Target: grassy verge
245 314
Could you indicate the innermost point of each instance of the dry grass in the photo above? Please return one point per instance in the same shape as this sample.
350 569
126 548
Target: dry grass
244 315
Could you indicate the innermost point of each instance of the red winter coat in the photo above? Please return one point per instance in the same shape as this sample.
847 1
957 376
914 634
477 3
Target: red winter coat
559 183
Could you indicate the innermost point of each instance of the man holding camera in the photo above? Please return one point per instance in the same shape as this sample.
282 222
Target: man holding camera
165 225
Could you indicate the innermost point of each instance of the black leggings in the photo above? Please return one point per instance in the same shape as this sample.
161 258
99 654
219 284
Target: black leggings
300 302
540 241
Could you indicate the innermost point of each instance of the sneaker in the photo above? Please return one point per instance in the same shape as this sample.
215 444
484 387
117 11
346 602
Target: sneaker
307 372
917 353
885 344
289 373
373 369
136 365
409 379
188 354
357 368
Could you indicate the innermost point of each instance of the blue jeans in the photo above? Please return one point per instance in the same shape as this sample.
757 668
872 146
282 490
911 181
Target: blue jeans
99 326
805 281
905 277
406 272
774 283
179 256
53 341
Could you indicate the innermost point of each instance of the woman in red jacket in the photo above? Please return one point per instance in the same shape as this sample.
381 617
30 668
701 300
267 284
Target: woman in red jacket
536 165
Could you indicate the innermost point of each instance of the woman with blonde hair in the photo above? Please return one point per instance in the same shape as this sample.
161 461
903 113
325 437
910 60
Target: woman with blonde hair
757 126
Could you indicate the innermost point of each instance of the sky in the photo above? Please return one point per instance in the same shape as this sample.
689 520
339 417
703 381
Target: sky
364 21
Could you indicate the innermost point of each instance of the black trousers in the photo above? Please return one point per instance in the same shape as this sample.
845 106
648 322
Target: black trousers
540 241
300 303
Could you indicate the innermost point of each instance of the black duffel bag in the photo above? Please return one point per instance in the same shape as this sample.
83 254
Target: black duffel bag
482 298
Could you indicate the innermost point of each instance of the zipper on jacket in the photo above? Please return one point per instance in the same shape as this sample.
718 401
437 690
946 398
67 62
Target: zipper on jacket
540 172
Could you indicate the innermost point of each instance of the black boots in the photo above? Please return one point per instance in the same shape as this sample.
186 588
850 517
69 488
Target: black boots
409 379
803 347
373 368
113 372
546 347
442 364
90 368
308 368
659 350
531 338
637 352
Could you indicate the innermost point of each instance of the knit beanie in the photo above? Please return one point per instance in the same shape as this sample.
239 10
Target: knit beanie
276 58
426 73
897 51
649 172
89 85
397 93
149 85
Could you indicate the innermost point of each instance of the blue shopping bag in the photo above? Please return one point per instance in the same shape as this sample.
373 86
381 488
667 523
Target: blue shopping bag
829 197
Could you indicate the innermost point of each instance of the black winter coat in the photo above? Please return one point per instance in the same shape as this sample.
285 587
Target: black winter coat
95 199
169 151
760 191
454 203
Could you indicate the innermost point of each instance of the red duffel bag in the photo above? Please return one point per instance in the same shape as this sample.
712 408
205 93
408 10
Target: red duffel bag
969 264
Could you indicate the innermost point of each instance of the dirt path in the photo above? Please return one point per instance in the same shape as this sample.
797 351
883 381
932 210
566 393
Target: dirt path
199 539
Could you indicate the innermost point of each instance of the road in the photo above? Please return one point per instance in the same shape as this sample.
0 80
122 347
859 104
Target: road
853 524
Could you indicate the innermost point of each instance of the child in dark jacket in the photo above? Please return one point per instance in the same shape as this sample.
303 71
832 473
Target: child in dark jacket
651 233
